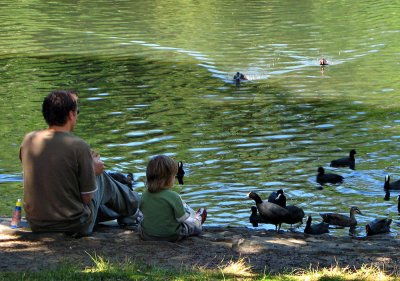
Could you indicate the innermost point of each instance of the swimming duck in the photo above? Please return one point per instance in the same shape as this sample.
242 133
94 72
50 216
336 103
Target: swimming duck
323 61
393 186
238 77
341 220
323 178
180 172
378 226
317 228
270 212
278 197
398 204
346 161
127 180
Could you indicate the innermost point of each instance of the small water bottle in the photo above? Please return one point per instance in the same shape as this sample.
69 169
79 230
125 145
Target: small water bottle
16 218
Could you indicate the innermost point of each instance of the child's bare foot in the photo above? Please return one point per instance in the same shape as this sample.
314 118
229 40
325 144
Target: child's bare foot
202 213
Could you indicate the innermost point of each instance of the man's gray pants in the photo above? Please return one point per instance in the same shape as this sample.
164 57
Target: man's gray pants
113 200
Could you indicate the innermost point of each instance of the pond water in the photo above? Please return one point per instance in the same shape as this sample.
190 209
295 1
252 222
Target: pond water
155 77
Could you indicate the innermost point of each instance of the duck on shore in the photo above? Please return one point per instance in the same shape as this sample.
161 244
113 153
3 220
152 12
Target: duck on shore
317 228
296 215
276 210
278 197
270 212
378 226
341 220
255 218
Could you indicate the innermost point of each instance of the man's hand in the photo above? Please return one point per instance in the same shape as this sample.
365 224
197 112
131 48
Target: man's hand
98 165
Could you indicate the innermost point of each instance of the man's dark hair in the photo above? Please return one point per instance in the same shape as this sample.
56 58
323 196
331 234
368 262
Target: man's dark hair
57 105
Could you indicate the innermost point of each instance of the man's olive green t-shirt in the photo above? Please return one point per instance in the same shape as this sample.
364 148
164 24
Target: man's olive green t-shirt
57 167
161 212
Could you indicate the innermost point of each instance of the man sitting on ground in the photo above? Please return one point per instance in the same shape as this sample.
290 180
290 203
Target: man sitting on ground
65 186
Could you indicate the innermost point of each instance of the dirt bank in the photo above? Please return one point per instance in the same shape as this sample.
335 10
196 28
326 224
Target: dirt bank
273 252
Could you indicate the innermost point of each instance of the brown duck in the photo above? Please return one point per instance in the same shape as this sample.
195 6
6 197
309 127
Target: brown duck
341 220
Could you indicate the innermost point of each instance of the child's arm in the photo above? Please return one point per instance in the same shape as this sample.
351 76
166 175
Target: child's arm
181 214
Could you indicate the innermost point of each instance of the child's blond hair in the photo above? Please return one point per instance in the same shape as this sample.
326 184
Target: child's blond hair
159 172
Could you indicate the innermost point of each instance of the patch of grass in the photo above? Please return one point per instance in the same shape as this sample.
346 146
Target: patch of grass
10 192
239 270
365 273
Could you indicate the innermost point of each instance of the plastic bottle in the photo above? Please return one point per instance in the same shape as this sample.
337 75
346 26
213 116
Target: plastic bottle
16 218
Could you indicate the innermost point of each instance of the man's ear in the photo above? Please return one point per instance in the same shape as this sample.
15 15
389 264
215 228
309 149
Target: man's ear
71 115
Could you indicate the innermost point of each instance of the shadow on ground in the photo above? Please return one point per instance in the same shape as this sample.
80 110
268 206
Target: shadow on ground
264 251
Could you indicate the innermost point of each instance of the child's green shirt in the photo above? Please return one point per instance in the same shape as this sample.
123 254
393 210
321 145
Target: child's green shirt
163 213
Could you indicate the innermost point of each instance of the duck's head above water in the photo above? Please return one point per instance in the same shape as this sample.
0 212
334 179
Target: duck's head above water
323 61
238 77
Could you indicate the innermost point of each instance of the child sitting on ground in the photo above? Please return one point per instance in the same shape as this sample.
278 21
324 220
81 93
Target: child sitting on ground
165 216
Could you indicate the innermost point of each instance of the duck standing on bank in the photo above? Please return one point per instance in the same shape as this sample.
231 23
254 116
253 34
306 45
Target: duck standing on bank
296 214
255 218
323 178
317 228
270 212
346 161
342 220
278 197
378 226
